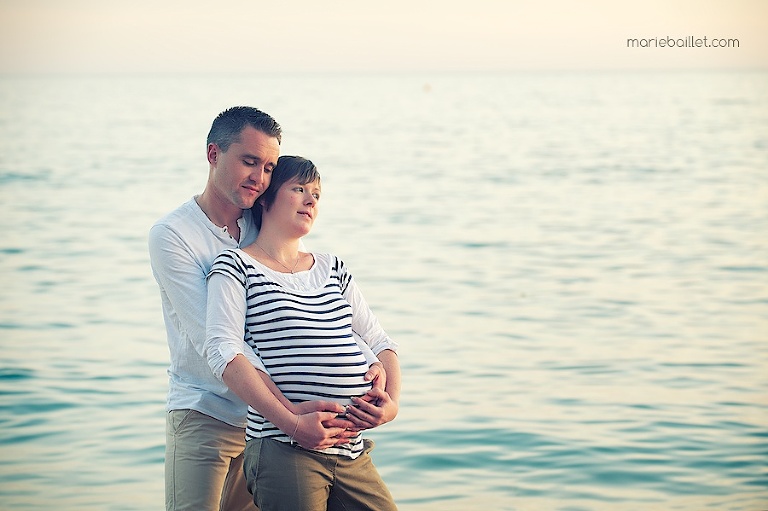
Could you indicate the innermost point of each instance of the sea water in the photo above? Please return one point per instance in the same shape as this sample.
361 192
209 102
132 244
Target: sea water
574 264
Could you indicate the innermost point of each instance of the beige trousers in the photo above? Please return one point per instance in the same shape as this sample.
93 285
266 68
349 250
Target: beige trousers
285 477
204 464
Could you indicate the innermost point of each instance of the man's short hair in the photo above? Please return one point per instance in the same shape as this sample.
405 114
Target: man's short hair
228 125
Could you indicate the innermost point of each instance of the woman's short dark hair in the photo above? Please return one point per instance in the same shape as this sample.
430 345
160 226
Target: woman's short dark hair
228 125
288 168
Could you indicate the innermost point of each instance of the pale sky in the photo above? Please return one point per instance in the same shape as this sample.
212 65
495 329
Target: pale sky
384 36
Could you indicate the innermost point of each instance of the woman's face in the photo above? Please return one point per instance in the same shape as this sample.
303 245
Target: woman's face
295 207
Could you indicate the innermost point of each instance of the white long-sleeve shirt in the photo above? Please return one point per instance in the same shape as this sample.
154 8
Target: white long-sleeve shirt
182 247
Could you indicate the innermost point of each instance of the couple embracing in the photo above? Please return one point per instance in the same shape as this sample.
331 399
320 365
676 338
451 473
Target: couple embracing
277 363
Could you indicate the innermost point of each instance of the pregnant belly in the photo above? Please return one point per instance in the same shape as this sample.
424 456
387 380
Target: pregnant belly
323 385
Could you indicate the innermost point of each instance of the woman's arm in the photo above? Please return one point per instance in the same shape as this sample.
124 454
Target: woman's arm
379 406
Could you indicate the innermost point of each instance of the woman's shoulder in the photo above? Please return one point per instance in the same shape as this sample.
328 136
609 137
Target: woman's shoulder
331 265
229 254
224 255
236 258
328 259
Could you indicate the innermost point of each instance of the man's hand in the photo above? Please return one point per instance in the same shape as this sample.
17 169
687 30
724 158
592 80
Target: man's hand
316 406
324 424
337 428
312 432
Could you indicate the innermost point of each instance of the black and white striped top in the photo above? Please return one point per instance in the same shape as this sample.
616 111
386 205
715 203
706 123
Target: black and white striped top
300 328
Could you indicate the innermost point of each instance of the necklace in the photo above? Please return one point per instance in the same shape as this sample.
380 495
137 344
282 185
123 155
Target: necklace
292 270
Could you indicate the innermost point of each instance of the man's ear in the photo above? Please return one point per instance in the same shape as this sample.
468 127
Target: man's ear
213 153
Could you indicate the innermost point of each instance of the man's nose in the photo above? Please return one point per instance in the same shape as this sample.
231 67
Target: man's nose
257 176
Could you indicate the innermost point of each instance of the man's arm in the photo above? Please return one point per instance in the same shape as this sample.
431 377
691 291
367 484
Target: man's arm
305 429
181 279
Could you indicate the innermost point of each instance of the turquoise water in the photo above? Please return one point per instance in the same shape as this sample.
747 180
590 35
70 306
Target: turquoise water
575 266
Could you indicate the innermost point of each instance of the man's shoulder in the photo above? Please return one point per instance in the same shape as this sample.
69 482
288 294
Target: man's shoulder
184 218
179 214
184 228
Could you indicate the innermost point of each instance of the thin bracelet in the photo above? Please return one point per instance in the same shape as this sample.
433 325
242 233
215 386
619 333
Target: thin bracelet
295 429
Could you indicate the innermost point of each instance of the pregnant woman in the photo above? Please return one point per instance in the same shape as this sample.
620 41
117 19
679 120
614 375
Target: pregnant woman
298 311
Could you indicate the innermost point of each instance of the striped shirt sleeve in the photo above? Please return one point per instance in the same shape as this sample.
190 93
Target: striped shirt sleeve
225 314
364 322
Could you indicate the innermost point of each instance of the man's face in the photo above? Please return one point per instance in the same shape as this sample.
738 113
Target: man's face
242 172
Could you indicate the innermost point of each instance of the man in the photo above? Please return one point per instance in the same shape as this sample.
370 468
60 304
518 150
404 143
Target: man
205 423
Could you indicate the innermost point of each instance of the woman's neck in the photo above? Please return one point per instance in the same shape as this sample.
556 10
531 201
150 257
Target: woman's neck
279 252
279 247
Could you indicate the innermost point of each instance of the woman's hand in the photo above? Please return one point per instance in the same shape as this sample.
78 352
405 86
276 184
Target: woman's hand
372 410
325 424
377 375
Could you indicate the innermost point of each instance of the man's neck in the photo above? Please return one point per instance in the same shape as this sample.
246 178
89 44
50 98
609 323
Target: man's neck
223 215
